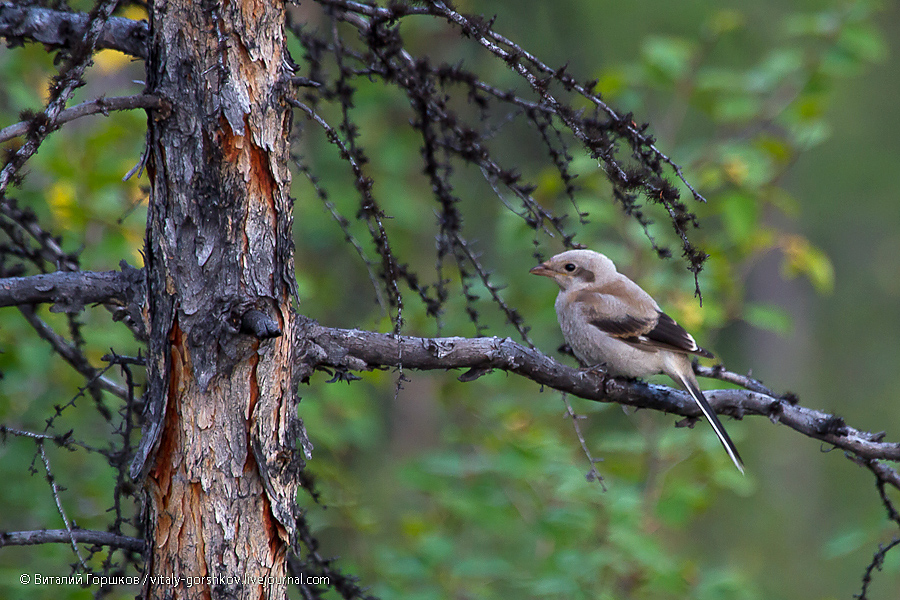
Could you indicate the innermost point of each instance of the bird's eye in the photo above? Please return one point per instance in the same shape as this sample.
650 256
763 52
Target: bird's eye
570 267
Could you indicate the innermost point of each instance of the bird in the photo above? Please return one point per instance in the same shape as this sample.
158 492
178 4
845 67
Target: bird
611 322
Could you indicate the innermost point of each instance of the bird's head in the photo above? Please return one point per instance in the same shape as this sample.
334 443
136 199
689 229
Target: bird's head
576 268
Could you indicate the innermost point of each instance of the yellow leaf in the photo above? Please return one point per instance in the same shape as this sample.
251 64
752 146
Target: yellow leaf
61 199
135 13
802 258
110 61
736 169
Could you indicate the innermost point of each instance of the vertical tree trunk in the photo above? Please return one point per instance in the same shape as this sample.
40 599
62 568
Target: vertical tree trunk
220 277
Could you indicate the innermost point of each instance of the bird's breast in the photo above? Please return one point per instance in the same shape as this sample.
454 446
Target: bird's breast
592 346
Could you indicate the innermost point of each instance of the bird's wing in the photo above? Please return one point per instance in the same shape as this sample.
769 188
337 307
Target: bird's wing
669 334
623 310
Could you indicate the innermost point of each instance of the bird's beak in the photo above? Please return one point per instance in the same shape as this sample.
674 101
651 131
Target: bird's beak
542 269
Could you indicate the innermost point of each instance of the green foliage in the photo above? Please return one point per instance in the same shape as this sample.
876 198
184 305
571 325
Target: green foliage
500 505
493 502
442 489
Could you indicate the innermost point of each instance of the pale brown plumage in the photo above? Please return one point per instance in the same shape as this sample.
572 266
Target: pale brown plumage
609 320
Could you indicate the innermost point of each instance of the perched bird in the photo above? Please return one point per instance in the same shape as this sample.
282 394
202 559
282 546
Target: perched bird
607 319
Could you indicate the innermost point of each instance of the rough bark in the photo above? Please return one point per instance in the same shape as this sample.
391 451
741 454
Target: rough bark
218 247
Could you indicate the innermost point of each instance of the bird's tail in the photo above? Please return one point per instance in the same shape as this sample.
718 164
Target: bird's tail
694 390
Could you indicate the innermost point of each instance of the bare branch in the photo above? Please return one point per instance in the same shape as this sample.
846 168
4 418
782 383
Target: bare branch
360 350
63 536
593 474
355 350
65 29
68 532
364 350
745 381
100 105
68 291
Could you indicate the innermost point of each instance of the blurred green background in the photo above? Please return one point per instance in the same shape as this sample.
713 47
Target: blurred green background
782 114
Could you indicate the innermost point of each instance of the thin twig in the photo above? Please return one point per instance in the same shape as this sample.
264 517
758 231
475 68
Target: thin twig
593 474
92 107
59 507
71 354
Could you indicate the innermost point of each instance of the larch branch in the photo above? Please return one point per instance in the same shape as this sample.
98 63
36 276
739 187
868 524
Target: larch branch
99 105
63 536
68 291
357 350
65 29
354 349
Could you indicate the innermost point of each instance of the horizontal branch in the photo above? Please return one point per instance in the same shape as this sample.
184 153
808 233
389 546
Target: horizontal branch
352 349
356 350
100 105
64 536
69 291
66 29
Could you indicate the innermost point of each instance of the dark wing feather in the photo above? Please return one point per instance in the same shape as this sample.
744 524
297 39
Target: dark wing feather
629 327
606 309
653 329
668 333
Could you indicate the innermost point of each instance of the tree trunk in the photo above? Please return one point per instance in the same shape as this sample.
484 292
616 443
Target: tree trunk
219 258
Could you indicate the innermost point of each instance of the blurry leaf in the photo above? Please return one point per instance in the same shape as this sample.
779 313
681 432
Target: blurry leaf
669 58
840 62
776 67
724 585
810 134
710 177
481 566
814 24
611 83
135 12
863 41
802 258
740 215
768 317
746 166
679 503
720 79
781 199
111 61
725 21
436 548
846 543
776 147
413 525
737 108
548 184
809 107
61 198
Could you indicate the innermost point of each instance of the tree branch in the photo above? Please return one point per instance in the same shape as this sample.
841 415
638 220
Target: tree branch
356 350
69 291
63 536
100 105
65 29
352 349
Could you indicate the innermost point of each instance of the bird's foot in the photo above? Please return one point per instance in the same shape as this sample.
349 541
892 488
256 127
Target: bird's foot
599 369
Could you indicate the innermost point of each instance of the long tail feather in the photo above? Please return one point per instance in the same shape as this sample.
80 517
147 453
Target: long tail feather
717 426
